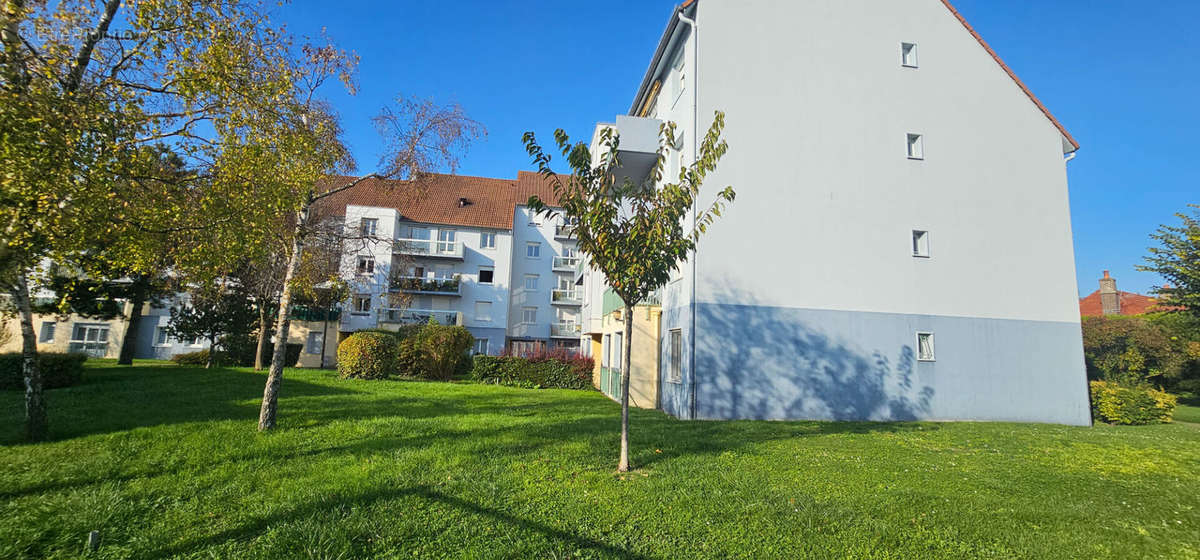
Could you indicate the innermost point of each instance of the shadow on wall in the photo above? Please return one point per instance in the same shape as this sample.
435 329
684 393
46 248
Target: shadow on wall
760 362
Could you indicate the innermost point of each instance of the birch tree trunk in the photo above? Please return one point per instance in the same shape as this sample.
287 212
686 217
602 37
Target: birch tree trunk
36 428
270 402
623 465
262 336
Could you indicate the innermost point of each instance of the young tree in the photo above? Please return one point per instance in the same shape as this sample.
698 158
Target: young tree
218 313
1177 259
635 234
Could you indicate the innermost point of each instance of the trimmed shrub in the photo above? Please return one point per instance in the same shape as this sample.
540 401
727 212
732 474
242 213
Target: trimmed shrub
539 372
1117 404
197 358
435 351
291 357
367 355
58 370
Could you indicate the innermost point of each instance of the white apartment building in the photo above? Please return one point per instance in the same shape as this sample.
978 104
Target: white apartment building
900 247
463 251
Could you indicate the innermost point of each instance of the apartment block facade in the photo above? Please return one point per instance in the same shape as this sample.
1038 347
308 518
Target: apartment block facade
900 247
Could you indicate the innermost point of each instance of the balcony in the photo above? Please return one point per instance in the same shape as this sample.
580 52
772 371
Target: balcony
566 297
308 313
433 286
428 248
638 150
397 316
565 264
564 231
564 330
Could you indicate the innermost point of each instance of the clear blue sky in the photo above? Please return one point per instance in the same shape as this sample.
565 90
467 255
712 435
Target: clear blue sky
1122 75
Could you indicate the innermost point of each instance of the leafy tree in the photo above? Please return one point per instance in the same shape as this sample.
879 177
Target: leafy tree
635 234
1131 351
218 313
1177 259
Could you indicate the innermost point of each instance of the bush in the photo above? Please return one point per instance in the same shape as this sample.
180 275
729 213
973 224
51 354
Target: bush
291 357
197 358
538 371
1117 404
367 355
435 351
1131 351
58 370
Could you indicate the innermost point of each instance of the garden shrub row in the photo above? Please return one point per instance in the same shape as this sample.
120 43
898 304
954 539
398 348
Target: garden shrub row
58 370
200 357
1119 404
429 351
541 371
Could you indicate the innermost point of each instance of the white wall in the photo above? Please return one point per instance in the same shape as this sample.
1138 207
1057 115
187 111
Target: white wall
522 265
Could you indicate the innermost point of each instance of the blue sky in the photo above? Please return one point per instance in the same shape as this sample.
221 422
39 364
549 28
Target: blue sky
1122 75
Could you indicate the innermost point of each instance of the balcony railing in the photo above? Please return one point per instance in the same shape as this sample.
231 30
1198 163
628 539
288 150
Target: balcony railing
307 313
566 297
564 231
416 284
566 264
419 316
565 330
428 248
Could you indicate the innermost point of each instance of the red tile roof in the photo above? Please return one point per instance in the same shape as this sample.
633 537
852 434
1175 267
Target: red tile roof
530 183
434 198
1012 75
1131 304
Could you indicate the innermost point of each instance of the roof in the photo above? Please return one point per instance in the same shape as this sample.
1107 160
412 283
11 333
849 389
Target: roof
530 183
648 79
1131 304
434 198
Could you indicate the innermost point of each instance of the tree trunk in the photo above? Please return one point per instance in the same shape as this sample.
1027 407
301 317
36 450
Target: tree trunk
35 403
212 351
262 336
270 402
324 334
129 341
623 465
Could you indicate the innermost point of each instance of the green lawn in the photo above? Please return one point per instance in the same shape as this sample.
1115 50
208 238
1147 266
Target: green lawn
165 462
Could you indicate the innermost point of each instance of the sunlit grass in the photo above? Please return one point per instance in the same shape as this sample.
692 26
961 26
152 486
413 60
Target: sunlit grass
165 462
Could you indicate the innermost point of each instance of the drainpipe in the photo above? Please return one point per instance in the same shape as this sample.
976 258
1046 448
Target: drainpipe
1070 157
691 23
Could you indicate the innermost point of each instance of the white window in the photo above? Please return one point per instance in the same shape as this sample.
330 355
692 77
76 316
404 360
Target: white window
483 311
533 250
617 364
362 303
570 252
916 146
566 283
366 265
190 341
487 240
315 339
607 347
368 226
162 337
908 54
481 346
486 274
47 334
529 315
676 80
89 333
446 240
531 282
676 374
925 346
920 243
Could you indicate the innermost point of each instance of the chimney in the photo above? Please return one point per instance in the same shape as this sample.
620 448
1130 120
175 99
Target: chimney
463 201
1110 300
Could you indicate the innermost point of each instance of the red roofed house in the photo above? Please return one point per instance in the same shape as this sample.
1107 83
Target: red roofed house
1109 301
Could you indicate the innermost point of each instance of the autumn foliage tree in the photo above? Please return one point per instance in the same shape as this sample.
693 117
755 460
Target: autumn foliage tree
636 234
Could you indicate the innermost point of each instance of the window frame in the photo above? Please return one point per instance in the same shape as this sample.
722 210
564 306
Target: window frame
536 281
487 240
932 346
485 318
491 280
310 341
675 348
525 313
914 146
476 349
356 309
364 271
42 330
534 247
907 48
363 229
921 246
165 335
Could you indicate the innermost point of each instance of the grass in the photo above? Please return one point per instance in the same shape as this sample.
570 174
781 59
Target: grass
164 461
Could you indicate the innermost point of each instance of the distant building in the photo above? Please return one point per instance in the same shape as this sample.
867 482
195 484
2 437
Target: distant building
1109 301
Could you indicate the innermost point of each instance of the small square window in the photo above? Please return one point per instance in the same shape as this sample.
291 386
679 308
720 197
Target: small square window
366 265
486 275
369 226
925 347
531 281
916 146
313 345
533 250
529 315
908 54
362 304
481 346
48 330
920 243
162 337
487 240
483 311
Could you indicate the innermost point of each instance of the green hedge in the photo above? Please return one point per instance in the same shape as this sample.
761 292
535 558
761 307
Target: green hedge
435 351
367 355
200 357
533 374
58 370
1117 404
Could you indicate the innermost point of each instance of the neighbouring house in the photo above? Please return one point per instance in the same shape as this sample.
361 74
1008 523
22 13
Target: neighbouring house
1107 300
463 251
603 331
900 247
